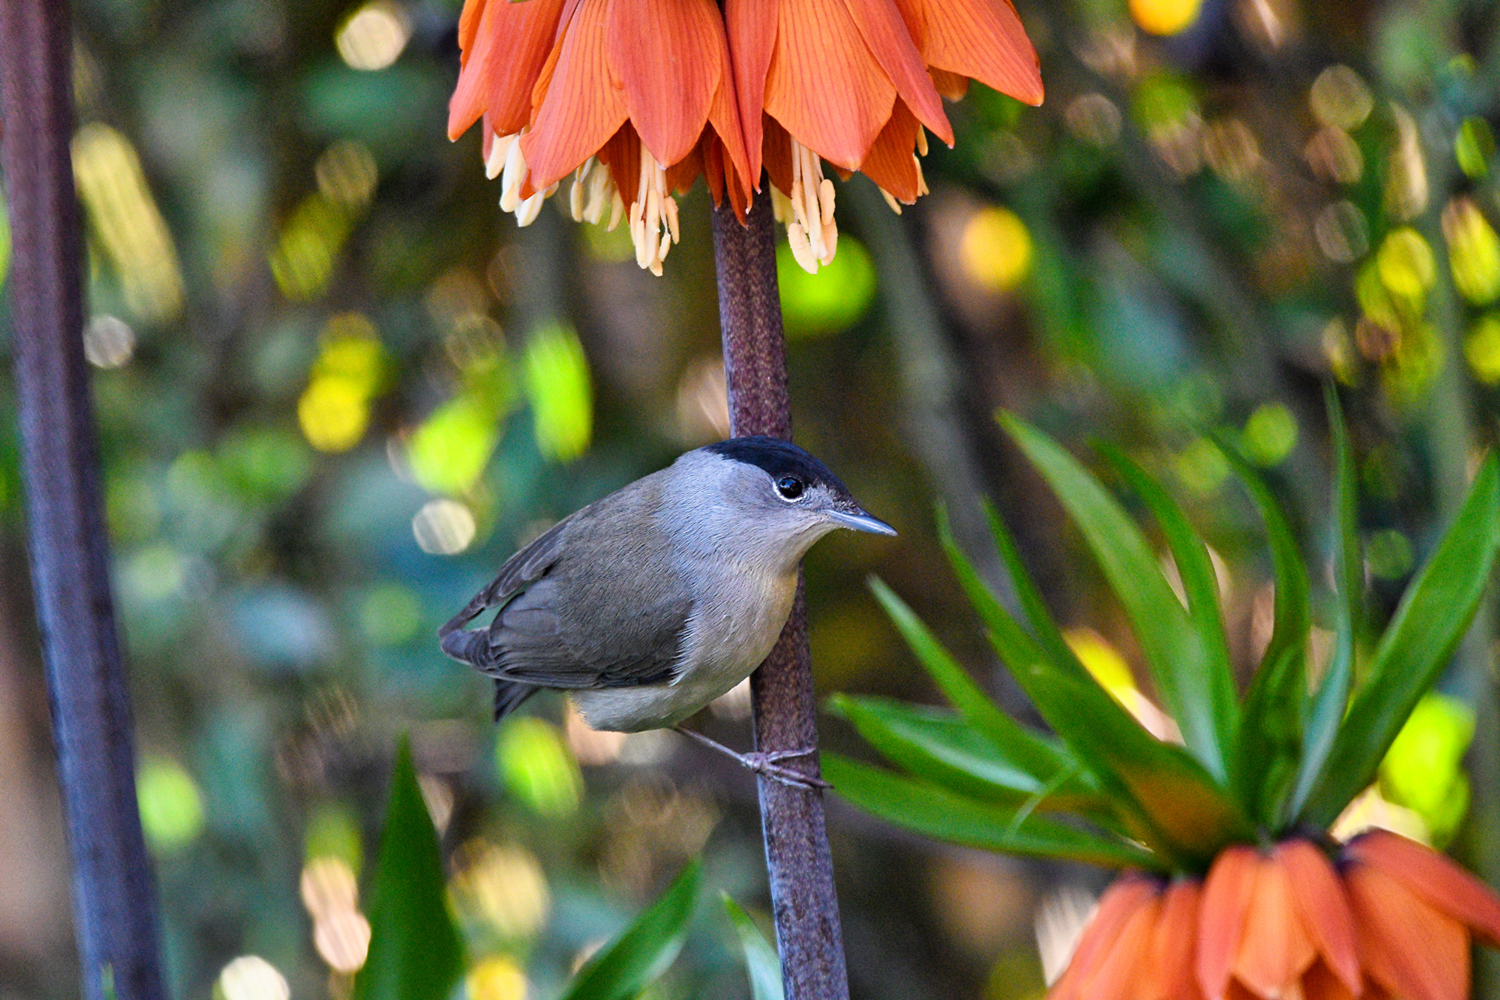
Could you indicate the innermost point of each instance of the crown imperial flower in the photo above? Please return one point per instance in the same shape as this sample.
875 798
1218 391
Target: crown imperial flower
637 98
1233 886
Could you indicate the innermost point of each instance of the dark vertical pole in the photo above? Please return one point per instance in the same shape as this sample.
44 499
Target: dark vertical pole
803 901
114 899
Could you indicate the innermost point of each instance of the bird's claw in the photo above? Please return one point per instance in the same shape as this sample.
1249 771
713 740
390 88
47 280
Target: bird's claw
769 764
766 762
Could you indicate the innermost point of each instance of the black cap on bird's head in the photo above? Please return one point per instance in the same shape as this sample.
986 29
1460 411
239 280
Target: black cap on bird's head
795 474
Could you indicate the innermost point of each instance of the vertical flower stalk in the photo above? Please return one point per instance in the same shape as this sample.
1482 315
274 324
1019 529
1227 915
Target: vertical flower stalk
800 867
114 898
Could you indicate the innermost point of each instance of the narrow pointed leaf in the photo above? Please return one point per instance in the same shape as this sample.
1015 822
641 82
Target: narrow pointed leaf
941 747
956 684
1433 616
935 812
644 950
1133 768
415 951
1327 708
1187 806
1174 651
761 960
1200 583
1035 609
1292 614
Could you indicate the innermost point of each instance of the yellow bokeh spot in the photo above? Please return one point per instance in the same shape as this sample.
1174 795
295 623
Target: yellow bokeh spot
171 806
349 371
1406 264
1473 251
333 413
503 886
1164 17
996 249
1482 349
496 978
129 225
534 761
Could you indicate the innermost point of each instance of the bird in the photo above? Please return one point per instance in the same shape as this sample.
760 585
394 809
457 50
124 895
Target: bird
658 598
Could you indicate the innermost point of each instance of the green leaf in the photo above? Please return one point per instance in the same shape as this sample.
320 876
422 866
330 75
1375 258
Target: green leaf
1037 615
1132 768
761 960
415 951
644 950
1185 804
937 745
1199 583
1327 708
935 812
1433 616
1291 614
955 683
1175 653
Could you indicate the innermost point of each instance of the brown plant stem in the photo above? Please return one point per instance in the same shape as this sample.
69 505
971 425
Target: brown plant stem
803 901
114 897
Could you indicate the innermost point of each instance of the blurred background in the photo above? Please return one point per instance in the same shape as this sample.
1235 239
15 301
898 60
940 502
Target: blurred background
337 387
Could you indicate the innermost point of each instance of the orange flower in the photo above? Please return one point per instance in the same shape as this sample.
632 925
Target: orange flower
1393 920
633 97
848 81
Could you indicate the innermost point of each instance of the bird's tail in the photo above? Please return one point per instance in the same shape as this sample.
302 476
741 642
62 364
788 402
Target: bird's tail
473 647
509 695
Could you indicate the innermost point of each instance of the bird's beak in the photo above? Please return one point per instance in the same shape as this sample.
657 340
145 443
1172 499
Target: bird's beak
860 521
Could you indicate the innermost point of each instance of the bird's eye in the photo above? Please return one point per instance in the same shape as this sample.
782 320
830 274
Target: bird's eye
790 487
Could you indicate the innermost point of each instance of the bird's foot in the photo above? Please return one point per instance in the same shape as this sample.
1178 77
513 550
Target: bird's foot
767 763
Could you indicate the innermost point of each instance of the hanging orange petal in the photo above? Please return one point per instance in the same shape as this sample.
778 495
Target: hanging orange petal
724 117
1321 984
582 106
983 39
1319 899
1118 904
680 175
621 155
1275 948
666 53
824 85
1433 876
511 44
881 26
951 85
1221 916
751 27
467 102
468 25
892 161
1409 947
778 148
1117 976
1168 973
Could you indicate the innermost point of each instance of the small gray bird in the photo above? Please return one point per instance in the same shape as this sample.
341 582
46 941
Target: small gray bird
650 603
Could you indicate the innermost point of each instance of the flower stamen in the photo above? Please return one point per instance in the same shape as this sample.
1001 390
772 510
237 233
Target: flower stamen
653 216
807 211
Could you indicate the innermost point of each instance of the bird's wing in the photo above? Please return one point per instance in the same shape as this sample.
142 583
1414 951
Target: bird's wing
544 638
585 633
524 568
